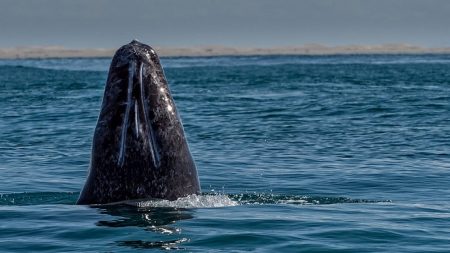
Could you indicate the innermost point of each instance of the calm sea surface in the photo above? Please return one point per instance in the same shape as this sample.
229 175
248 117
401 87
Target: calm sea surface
294 153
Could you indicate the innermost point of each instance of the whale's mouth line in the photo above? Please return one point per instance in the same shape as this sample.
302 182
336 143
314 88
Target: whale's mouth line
138 103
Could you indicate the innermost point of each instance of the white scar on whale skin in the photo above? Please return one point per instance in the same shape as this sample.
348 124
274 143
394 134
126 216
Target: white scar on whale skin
151 134
136 118
123 137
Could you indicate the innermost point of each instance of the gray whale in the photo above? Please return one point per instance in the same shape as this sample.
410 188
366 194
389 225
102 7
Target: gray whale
139 148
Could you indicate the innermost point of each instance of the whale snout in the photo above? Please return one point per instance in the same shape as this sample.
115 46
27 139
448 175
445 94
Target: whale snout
134 51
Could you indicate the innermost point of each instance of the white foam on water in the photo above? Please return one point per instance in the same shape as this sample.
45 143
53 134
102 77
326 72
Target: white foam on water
191 201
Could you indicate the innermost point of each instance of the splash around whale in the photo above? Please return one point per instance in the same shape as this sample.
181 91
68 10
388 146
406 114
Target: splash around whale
139 148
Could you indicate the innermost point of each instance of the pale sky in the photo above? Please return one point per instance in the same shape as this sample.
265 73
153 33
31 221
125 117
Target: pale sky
248 23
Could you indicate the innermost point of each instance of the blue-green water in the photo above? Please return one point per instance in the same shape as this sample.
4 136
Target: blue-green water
294 153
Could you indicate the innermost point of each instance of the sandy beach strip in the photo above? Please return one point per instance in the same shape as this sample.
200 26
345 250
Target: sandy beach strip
309 49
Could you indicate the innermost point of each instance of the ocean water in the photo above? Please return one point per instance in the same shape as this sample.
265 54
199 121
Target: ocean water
294 153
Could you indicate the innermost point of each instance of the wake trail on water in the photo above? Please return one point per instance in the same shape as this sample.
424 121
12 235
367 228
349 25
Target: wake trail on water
205 200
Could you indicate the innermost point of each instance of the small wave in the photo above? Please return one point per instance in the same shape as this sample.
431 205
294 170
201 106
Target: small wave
273 199
19 67
68 64
208 200
38 198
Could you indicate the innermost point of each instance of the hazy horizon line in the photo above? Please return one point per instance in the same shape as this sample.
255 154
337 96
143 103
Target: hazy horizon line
218 50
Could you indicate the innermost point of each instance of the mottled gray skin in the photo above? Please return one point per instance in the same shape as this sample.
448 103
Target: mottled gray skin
139 148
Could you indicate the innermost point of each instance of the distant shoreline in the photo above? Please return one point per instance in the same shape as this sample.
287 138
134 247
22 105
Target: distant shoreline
309 49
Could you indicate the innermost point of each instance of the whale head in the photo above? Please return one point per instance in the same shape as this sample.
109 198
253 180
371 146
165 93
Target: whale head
139 148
